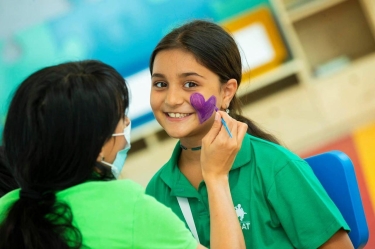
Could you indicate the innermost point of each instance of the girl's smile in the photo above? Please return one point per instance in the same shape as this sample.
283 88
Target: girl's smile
177 115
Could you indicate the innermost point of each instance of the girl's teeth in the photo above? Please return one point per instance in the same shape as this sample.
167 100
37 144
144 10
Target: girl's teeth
177 115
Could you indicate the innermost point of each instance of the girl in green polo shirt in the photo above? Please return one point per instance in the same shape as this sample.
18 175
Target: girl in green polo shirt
277 198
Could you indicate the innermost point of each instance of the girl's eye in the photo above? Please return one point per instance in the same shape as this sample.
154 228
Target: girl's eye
160 84
190 84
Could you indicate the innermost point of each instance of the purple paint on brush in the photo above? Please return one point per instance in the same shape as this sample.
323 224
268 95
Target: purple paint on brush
204 108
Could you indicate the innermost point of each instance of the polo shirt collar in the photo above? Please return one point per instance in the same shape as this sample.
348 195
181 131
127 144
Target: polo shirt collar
179 184
172 176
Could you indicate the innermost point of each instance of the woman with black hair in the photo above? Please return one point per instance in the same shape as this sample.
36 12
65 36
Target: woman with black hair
7 182
66 138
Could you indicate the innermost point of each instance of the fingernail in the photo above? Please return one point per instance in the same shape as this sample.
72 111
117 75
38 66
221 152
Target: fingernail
217 116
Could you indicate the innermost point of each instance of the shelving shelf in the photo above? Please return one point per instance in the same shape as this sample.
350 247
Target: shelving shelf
310 8
328 34
284 70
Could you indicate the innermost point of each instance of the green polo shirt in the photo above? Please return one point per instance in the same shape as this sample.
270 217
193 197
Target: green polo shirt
278 200
118 214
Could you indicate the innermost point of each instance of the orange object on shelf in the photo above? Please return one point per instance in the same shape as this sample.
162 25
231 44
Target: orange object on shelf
264 28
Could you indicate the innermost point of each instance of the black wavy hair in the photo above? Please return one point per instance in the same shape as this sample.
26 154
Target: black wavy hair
7 182
58 121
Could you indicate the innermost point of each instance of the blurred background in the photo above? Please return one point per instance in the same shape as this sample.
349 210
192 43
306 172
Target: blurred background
309 67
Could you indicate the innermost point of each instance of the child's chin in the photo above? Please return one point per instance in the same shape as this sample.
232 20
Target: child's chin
175 135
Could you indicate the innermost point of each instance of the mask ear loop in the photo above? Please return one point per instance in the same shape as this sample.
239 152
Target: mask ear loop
123 133
118 134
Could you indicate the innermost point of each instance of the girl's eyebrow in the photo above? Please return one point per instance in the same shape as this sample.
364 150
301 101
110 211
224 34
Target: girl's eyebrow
190 74
182 75
158 75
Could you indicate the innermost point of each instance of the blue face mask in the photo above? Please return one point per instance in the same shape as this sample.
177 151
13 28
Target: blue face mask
119 161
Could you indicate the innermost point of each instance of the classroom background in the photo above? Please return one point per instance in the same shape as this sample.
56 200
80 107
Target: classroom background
309 67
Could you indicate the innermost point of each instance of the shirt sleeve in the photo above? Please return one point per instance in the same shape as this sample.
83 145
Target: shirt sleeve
156 226
303 207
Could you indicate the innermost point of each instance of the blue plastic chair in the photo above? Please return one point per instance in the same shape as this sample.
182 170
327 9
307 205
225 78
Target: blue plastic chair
335 171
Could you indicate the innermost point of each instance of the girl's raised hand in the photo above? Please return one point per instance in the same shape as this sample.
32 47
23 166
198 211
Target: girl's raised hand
218 149
217 156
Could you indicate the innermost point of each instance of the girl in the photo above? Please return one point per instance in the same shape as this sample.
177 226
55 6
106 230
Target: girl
277 198
66 135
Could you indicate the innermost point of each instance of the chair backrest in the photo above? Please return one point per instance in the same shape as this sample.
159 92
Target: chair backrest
335 171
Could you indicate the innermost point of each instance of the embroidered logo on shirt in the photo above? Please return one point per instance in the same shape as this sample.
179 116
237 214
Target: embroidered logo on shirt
241 215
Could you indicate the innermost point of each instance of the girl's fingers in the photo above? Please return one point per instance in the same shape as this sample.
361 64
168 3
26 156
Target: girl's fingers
237 128
241 131
214 131
219 133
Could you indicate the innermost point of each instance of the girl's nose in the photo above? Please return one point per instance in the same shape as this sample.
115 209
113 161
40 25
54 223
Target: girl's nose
173 97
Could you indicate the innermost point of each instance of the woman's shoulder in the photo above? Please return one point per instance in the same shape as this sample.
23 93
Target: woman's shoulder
115 189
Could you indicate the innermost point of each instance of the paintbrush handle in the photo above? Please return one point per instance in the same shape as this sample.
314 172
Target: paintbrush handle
225 124
226 127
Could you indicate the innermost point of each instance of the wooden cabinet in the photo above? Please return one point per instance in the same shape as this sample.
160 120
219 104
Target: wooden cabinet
332 46
290 115
349 95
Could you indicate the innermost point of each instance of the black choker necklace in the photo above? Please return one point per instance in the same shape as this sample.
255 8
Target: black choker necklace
193 149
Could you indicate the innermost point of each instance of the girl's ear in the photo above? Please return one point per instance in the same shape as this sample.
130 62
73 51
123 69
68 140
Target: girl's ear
229 90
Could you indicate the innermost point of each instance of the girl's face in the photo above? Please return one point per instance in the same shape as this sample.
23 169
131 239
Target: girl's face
176 75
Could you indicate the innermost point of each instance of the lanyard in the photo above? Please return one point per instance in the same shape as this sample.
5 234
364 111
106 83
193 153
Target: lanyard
186 211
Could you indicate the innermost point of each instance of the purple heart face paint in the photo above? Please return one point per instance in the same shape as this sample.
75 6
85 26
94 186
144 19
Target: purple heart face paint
204 108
